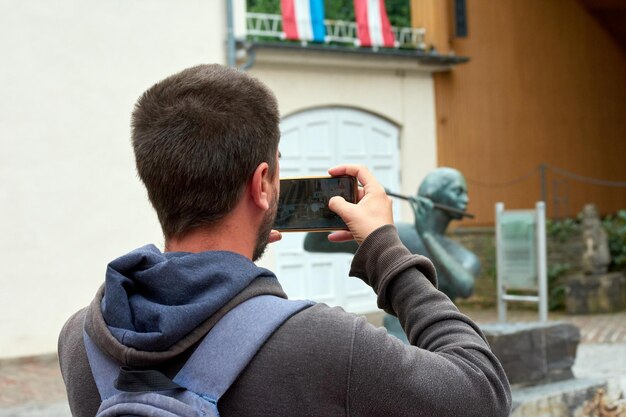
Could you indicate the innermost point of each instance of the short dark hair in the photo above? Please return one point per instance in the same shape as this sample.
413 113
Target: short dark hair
198 136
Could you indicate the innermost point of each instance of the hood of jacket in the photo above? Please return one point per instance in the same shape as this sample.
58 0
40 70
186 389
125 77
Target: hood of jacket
152 301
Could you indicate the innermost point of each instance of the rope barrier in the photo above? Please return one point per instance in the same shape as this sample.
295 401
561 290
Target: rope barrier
506 183
589 180
557 170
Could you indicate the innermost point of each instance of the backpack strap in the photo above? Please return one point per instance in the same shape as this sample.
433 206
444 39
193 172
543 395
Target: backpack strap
232 343
111 378
103 368
221 356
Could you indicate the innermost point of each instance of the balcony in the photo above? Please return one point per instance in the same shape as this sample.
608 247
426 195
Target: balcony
341 46
338 32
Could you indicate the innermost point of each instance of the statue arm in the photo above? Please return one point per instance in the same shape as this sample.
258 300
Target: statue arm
318 242
461 278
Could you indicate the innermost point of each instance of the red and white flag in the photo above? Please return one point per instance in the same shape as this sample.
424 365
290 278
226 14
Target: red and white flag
373 28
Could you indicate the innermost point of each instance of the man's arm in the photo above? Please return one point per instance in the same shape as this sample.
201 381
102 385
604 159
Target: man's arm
82 393
448 371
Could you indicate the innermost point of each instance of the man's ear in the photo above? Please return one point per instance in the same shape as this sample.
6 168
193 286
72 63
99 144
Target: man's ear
261 186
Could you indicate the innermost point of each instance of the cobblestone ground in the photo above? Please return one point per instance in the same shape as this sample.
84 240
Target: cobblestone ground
30 381
594 328
32 387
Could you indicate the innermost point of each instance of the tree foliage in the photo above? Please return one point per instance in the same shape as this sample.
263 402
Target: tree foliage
263 6
616 229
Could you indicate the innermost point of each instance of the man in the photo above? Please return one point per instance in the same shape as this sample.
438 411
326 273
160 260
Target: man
206 147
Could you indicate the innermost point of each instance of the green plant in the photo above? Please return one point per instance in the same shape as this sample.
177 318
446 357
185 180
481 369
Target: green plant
263 6
562 229
556 285
615 226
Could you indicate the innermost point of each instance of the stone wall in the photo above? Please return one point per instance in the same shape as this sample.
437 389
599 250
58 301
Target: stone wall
564 255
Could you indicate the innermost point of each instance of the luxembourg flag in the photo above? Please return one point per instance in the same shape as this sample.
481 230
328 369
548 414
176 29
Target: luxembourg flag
303 19
372 23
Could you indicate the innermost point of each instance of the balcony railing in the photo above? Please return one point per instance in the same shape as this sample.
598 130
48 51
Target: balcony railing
337 31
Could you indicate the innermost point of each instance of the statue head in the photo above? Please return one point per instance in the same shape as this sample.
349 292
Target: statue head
590 211
445 186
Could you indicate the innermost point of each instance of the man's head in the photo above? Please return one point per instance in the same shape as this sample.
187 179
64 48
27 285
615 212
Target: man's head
445 186
198 136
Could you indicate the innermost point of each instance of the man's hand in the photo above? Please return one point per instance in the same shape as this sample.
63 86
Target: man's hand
372 210
275 236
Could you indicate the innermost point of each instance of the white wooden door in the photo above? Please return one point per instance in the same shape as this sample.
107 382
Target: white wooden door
312 142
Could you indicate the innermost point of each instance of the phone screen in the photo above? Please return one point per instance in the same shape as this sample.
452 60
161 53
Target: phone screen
303 203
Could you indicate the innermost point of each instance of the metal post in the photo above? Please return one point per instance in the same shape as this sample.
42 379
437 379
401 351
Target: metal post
500 265
542 177
542 264
230 35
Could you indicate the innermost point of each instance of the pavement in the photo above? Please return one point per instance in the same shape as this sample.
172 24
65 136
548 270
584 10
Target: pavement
33 387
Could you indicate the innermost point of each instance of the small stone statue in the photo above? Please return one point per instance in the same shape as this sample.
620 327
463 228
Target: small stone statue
594 290
596 257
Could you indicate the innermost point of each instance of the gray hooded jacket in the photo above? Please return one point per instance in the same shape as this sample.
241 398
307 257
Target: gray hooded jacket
321 362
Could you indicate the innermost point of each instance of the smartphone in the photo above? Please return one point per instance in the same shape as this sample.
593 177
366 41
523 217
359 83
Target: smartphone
303 203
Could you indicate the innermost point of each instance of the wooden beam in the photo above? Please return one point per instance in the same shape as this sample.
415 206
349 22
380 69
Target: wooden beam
435 17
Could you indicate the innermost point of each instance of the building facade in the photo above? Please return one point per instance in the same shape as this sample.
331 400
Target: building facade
71 201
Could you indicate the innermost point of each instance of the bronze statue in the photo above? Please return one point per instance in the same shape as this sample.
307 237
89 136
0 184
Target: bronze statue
441 198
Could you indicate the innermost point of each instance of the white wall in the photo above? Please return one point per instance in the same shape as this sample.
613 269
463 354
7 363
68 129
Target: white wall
70 201
69 198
